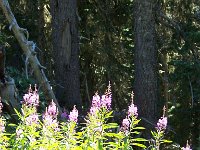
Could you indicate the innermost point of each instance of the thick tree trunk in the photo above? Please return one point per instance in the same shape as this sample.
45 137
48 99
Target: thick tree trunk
66 51
146 87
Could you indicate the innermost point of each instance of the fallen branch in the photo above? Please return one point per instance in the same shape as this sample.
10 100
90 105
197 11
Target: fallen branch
29 49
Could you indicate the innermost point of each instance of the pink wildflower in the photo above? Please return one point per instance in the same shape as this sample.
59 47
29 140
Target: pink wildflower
93 110
32 119
125 125
19 133
32 98
162 124
1 106
187 147
49 121
52 110
73 116
132 110
96 104
106 101
96 101
2 125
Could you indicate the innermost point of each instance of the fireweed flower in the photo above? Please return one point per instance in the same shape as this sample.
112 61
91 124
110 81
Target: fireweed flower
107 98
50 117
2 125
19 133
73 116
96 104
52 110
125 125
1 106
187 147
2 122
106 101
96 101
50 121
47 119
100 102
32 98
162 124
32 119
93 110
132 110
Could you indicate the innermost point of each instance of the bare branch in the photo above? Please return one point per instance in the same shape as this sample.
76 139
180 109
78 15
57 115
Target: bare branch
29 52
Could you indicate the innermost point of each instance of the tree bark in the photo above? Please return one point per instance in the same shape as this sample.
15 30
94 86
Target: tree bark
9 96
146 86
27 47
8 92
2 64
66 51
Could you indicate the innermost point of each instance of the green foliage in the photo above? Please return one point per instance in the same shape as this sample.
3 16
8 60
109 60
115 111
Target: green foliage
21 80
106 48
97 133
181 46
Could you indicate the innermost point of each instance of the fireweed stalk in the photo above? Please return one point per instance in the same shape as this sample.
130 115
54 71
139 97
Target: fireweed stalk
129 125
158 135
97 127
71 138
2 122
50 127
103 102
27 130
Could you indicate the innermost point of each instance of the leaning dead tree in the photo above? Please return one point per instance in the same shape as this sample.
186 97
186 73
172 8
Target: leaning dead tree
29 49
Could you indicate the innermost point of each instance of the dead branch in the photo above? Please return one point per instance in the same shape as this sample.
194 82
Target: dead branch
29 49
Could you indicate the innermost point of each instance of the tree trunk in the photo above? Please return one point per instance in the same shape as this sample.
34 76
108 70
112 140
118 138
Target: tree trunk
146 86
8 92
66 51
2 64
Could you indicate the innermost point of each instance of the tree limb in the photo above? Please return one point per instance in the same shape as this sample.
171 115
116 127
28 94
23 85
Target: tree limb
29 51
165 20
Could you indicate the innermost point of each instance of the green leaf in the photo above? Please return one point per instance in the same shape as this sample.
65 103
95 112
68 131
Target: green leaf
166 141
136 132
18 114
139 145
138 128
139 139
117 135
12 125
108 115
